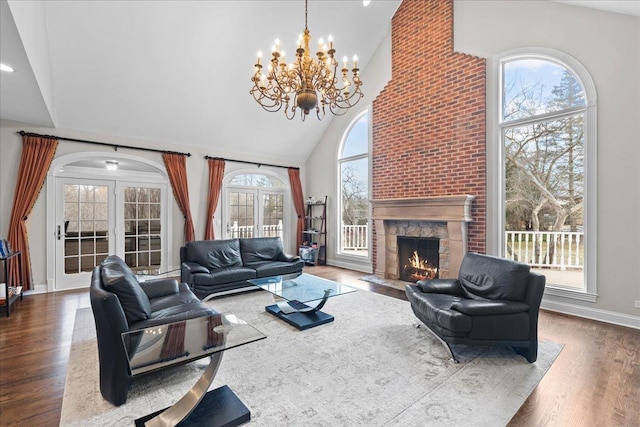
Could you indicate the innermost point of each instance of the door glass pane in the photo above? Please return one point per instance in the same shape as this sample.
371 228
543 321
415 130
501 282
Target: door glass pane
272 215
142 256
85 226
242 221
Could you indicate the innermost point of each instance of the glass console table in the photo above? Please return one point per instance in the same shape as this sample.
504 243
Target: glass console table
295 292
157 347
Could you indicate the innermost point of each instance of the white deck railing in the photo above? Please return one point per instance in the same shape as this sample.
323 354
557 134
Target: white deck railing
355 237
247 231
558 249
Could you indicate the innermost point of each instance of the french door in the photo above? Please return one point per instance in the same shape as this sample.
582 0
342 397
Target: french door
254 213
96 218
84 229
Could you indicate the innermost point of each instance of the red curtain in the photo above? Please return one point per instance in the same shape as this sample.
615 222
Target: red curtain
176 165
298 201
37 154
216 173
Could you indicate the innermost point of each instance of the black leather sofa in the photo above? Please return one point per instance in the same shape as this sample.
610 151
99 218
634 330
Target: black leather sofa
120 304
494 301
215 266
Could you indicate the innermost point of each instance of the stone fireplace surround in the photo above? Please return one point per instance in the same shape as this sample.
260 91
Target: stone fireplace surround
444 217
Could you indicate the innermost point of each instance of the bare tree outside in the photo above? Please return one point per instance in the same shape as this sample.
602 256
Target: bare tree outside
545 158
355 202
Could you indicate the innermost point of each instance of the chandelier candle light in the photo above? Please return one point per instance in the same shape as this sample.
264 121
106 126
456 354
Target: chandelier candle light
306 82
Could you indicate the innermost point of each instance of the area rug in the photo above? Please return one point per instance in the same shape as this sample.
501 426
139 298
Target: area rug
369 367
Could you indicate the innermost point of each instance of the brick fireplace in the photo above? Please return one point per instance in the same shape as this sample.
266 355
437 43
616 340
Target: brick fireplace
445 218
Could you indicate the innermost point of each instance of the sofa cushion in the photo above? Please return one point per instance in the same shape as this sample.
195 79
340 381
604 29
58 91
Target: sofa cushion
259 250
488 277
118 278
437 309
214 254
224 275
277 268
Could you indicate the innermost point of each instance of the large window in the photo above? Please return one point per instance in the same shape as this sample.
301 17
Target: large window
353 170
545 117
256 206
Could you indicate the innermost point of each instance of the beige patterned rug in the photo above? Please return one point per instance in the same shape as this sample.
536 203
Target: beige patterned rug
370 367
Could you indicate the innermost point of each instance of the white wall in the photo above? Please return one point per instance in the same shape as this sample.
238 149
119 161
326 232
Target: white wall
321 167
197 175
608 45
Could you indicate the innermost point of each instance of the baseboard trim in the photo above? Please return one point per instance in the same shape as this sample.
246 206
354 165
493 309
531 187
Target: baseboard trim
350 266
592 313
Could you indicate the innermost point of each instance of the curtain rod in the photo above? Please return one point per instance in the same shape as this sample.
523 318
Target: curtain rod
250 163
115 146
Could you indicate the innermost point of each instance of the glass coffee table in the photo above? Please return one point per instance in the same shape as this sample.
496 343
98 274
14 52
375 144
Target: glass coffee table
157 347
301 298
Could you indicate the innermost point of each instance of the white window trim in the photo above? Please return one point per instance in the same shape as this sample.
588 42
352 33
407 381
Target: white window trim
495 164
358 263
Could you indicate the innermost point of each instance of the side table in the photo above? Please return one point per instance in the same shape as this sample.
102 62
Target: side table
11 299
157 347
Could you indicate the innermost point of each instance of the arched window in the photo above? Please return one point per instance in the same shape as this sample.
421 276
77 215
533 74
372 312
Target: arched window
546 134
255 205
353 179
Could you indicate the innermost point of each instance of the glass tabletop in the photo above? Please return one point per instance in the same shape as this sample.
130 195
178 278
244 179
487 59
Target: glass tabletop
179 342
301 287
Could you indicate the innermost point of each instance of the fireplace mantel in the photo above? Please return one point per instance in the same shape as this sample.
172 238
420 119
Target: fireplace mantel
443 208
455 211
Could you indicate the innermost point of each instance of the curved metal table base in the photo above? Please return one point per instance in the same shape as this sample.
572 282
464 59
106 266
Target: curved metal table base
286 308
187 403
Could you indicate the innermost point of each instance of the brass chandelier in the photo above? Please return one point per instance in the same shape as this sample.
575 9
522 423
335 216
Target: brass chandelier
306 83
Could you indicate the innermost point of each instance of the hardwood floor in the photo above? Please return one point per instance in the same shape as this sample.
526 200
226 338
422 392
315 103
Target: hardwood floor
594 382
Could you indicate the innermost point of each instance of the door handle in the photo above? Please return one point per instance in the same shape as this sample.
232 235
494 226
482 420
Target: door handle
58 232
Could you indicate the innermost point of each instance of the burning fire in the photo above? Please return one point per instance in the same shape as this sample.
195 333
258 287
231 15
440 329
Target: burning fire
418 269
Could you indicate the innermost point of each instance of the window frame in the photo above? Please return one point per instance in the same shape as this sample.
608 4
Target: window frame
496 162
350 258
259 191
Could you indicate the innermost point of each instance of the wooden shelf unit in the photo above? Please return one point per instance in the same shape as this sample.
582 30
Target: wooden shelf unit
10 299
314 235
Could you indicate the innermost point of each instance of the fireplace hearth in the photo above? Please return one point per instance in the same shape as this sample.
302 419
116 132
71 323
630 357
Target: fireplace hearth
418 258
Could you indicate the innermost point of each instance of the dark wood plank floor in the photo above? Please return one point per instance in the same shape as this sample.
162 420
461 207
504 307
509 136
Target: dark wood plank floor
594 382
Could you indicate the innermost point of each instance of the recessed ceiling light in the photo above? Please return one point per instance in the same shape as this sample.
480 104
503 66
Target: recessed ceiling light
6 68
365 3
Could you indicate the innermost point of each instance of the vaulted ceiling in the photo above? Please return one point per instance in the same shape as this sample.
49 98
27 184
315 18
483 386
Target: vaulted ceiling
173 73
176 74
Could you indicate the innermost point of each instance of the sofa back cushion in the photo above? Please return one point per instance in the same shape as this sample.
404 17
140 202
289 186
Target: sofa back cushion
118 278
484 276
260 249
214 254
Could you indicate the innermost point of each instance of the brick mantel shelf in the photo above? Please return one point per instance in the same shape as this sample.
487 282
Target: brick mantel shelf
455 211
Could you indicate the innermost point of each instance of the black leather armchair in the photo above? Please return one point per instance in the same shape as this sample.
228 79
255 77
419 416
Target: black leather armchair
120 304
494 301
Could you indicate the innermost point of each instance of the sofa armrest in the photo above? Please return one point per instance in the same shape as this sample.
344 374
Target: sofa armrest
441 286
155 288
287 258
474 307
194 267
